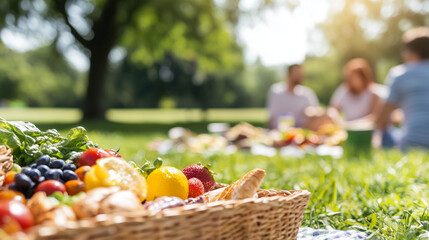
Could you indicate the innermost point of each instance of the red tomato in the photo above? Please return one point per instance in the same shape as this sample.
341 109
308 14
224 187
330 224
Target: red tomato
113 153
12 212
90 156
51 186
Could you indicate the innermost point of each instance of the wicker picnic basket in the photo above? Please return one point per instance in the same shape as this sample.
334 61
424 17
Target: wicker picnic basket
273 215
6 162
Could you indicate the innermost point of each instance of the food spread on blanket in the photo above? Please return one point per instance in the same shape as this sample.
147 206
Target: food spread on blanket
246 136
56 180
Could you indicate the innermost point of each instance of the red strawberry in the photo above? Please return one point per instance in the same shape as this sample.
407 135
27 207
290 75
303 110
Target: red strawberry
196 188
202 173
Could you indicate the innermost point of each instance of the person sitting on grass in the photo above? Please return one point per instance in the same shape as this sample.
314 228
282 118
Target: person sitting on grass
290 98
358 98
409 90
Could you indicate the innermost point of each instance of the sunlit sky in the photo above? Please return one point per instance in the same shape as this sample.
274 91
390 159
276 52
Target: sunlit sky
276 36
280 36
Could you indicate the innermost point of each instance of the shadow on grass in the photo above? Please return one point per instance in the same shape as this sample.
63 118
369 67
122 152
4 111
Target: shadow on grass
147 127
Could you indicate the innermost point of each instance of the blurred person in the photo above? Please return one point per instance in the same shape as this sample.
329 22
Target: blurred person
290 98
358 97
409 90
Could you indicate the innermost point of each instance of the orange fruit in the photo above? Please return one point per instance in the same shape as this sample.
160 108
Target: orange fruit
74 187
10 195
9 178
81 171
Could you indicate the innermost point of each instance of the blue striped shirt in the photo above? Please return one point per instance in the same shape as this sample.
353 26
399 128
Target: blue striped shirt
410 91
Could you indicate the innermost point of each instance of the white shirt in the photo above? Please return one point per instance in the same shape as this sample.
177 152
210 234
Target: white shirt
283 102
355 107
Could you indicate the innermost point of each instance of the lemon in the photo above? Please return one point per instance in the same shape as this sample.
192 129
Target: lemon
167 181
112 171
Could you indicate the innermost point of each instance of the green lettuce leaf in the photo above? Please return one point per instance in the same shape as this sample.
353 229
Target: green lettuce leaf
29 143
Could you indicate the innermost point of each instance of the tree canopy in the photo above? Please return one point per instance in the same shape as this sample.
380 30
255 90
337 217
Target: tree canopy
146 29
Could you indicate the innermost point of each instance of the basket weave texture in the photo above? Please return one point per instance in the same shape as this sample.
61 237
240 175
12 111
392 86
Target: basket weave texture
273 215
6 162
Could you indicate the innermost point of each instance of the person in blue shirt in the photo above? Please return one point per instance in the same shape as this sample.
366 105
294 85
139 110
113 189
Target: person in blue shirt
409 90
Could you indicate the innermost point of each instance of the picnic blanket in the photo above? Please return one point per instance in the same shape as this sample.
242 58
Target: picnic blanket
307 233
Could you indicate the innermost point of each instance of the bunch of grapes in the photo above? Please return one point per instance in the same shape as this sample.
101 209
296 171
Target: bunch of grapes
43 170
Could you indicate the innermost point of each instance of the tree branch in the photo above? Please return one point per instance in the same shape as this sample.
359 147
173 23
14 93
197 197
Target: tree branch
61 7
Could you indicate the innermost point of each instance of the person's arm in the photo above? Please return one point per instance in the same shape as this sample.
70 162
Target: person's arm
336 97
383 118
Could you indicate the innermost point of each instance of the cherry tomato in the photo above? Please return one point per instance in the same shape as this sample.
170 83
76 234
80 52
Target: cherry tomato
90 156
10 195
12 212
80 172
51 186
9 178
113 153
74 187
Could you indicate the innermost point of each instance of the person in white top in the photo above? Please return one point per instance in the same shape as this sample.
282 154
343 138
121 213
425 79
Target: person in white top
289 98
358 98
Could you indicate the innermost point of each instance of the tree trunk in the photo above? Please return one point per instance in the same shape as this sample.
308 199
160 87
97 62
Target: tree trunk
94 105
104 38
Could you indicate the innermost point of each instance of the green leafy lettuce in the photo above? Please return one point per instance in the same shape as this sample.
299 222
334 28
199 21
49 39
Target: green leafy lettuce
29 143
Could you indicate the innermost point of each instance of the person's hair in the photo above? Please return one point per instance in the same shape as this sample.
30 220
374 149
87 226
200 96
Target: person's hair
291 67
361 67
417 40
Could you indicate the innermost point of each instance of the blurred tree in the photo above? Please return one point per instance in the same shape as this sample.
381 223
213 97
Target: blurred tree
321 76
372 29
176 79
191 29
259 79
39 78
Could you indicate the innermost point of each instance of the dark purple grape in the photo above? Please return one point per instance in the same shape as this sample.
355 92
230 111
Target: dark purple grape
55 174
33 165
14 187
34 175
69 175
43 169
28 193
41 179
43 160
69 166
23 181
57 163
26 170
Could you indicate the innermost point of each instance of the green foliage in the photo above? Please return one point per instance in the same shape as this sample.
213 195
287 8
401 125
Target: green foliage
258 80
371 29
190 29
175 80
39 78
29 143
323 75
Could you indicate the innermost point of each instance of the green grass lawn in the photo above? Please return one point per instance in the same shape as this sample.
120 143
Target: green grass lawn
383 193
67 115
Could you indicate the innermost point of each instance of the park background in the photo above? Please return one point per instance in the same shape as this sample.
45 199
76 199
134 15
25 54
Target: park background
128 71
